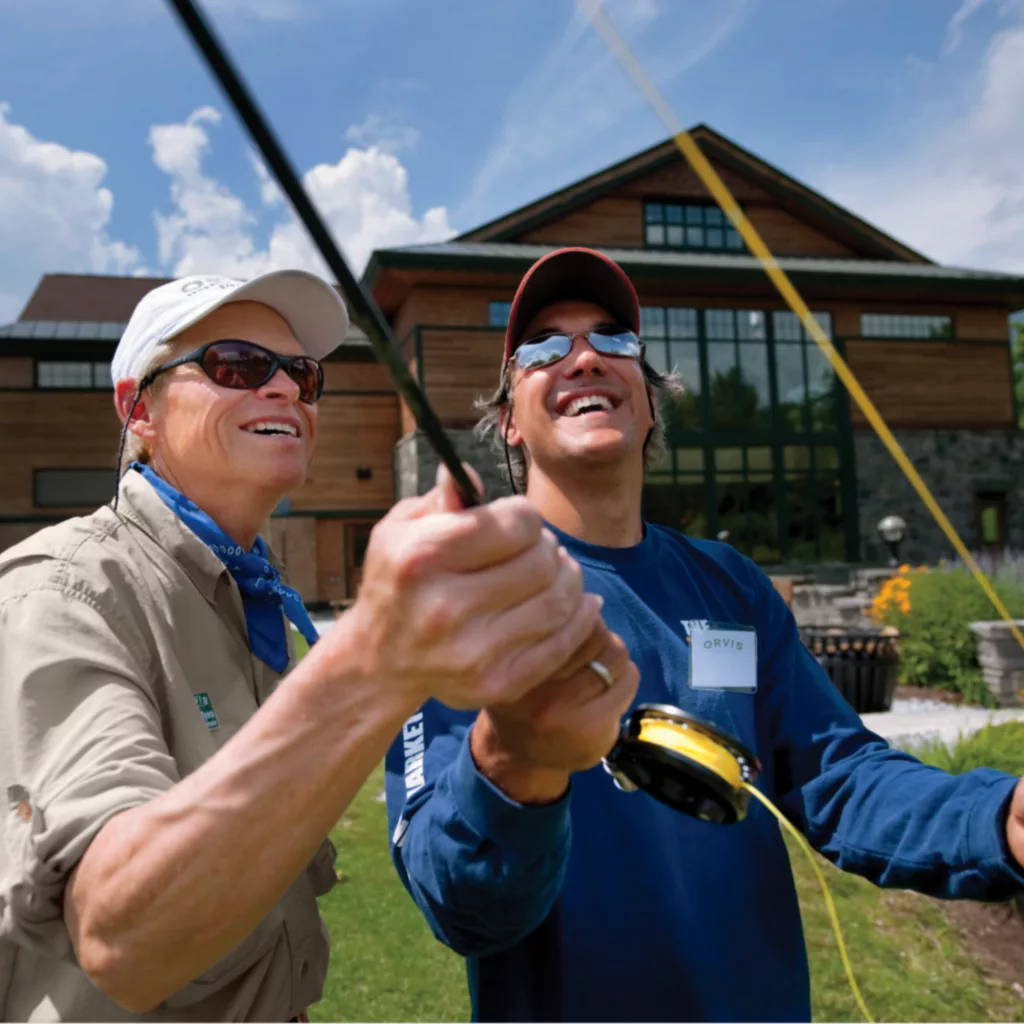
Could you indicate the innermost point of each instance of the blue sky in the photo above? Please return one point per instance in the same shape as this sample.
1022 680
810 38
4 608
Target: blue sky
414 120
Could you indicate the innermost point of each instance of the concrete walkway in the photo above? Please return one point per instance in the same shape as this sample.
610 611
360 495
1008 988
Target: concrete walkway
905 729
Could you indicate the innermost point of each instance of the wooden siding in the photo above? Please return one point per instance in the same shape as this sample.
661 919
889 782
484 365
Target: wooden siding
51 430
786 235
929 384
438 305
16 372
355 430
679 181
612 221
351 376
459 367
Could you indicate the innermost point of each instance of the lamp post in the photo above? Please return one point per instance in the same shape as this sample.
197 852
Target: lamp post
892 529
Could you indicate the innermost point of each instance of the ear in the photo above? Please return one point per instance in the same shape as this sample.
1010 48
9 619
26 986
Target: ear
507 420
650 404
142 421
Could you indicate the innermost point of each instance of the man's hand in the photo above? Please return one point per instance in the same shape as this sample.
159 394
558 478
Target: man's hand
1015 826
471 606
529 747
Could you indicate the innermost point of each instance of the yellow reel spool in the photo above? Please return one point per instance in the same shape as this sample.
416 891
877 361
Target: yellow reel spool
684 762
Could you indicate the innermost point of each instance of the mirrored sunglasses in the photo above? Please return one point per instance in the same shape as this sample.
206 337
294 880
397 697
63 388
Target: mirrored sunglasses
550 348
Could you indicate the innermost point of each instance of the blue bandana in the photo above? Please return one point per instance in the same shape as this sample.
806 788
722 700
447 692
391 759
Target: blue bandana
264 596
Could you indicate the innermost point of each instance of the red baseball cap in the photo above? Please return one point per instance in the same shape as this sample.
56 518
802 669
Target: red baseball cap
572 273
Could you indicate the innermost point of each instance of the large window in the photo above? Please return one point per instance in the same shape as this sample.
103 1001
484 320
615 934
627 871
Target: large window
689 226
90 376
73 488
905 325
753 443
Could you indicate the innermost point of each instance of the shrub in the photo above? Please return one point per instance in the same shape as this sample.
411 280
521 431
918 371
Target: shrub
932 611
994 746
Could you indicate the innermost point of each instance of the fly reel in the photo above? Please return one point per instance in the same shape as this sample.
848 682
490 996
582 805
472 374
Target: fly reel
685 763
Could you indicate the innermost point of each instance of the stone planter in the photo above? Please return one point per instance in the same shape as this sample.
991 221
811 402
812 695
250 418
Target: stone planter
1001 659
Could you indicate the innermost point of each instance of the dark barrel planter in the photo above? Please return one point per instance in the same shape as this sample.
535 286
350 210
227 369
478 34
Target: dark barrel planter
862 663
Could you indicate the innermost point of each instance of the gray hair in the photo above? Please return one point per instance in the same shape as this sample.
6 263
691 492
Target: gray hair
137 449
514 460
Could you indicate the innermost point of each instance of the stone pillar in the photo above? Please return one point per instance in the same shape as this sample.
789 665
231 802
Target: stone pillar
416 464
1001 659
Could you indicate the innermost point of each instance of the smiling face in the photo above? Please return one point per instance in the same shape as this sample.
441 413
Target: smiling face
587 407
245 442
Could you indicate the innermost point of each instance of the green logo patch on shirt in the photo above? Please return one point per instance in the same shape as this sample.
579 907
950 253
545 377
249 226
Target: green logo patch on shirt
206 707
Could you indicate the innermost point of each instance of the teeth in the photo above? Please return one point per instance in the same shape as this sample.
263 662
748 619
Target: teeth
575 407
269 427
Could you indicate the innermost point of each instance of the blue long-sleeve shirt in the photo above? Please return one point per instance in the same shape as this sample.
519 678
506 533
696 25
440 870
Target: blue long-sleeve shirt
612 906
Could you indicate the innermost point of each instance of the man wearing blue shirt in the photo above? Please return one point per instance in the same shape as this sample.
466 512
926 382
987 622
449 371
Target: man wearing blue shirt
581 902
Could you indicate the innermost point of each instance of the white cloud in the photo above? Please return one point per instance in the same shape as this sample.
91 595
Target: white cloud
577 110
387 136
957 191
954 30
364 198
54 215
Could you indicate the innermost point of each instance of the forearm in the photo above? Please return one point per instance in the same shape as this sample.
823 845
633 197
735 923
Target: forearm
484 870
169 888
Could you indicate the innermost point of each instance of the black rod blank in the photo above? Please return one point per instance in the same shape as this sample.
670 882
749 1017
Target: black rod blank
366 311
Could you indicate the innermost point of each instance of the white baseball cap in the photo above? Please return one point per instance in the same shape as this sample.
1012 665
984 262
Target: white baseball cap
313 310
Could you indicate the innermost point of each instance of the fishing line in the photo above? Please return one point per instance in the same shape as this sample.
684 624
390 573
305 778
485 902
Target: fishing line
718 189
696 768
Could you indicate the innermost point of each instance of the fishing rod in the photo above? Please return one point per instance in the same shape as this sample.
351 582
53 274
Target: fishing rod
367 312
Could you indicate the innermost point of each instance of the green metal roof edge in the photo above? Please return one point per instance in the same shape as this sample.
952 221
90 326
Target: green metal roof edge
409 258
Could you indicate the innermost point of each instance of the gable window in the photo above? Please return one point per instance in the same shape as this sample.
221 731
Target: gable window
498 314
88 376
905 325
700 226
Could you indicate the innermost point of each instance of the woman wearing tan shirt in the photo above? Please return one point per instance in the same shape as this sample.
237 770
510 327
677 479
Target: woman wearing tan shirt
169 773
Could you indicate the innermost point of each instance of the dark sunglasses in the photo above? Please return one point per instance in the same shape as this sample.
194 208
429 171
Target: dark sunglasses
550 348
244 365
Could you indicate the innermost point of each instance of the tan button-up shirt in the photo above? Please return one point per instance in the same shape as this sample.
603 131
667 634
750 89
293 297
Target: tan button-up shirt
124 665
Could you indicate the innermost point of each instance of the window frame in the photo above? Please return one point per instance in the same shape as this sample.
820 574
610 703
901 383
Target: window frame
94 366
906 319
774 434
719 223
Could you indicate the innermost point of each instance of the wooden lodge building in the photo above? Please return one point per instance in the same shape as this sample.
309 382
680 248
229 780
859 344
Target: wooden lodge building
763 445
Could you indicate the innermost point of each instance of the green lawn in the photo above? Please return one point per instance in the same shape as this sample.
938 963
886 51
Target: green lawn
386 966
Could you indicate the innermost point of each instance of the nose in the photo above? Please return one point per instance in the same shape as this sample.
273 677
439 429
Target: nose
280 386
584 361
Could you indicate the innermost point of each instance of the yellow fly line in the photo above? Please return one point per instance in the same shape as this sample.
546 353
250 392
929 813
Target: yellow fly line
714 184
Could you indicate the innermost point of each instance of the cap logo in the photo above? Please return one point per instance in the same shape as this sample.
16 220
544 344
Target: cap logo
203 283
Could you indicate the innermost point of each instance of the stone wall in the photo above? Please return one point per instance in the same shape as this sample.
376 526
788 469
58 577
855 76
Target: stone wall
956 465
416 464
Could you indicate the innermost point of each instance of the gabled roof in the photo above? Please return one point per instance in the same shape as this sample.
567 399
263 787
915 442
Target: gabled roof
801 200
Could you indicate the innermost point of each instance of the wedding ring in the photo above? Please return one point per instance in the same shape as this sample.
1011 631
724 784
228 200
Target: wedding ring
602 673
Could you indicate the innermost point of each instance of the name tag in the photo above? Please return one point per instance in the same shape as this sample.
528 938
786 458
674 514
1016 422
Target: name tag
205 706
724 658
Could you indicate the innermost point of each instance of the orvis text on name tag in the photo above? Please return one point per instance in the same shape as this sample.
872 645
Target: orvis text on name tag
724 658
